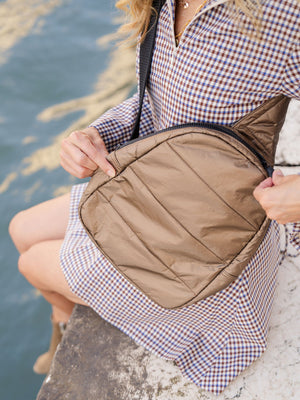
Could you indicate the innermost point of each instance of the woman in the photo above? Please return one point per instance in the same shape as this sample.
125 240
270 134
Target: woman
214 61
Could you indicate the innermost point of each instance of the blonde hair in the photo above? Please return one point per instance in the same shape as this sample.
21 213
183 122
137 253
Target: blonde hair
138 13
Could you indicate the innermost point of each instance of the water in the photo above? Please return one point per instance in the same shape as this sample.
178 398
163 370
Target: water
49 55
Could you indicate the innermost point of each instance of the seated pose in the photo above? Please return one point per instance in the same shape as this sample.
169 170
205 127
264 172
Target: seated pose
214 61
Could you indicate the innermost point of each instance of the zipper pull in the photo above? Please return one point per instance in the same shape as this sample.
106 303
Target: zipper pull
118 146
270 170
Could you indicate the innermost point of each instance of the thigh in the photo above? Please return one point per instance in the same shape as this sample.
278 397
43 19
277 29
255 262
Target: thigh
41 267
45 221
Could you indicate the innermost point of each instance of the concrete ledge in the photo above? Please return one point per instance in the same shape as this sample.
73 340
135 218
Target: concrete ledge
96 361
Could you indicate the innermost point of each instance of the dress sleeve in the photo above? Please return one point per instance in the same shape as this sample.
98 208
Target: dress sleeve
291 88
295 236
116 125
291 76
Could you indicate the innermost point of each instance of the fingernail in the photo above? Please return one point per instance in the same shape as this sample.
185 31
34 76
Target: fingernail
279 172
111 173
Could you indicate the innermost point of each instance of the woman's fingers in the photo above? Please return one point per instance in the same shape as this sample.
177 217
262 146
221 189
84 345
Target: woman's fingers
72 152
260 189
85 143
96 139
280 198
82 152
74 169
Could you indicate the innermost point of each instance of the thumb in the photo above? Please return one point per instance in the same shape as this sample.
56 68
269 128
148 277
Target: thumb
277 177
258 191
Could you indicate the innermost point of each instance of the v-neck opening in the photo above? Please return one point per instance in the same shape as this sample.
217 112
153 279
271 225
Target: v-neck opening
171 5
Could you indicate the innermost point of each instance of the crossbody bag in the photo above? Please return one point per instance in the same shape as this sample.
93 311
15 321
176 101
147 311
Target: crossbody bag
179 220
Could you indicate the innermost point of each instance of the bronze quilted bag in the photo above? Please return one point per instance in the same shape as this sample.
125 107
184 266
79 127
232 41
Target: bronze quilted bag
179 219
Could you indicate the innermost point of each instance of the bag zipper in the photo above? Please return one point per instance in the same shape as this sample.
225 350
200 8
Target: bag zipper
220 128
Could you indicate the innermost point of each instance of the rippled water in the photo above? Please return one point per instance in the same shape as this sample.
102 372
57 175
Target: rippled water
50 63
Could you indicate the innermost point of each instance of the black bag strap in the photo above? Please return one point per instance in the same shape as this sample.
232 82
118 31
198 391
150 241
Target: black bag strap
146 51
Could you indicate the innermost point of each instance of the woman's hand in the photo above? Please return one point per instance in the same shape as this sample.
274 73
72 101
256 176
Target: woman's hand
279 196
82 152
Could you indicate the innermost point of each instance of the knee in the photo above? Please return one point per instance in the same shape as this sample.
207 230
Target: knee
27 267
17 231
24 264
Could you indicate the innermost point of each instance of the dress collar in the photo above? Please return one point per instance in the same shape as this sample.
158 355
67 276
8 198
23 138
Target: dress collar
210 4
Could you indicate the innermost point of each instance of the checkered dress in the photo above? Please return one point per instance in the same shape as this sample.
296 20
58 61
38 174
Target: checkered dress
216 74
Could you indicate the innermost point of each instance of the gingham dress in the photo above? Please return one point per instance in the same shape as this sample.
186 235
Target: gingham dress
216 74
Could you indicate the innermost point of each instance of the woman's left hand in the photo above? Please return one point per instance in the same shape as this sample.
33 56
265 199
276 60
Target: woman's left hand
279 196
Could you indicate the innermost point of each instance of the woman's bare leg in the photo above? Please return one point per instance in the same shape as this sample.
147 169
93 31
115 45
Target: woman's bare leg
45 221
45 274
38 233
